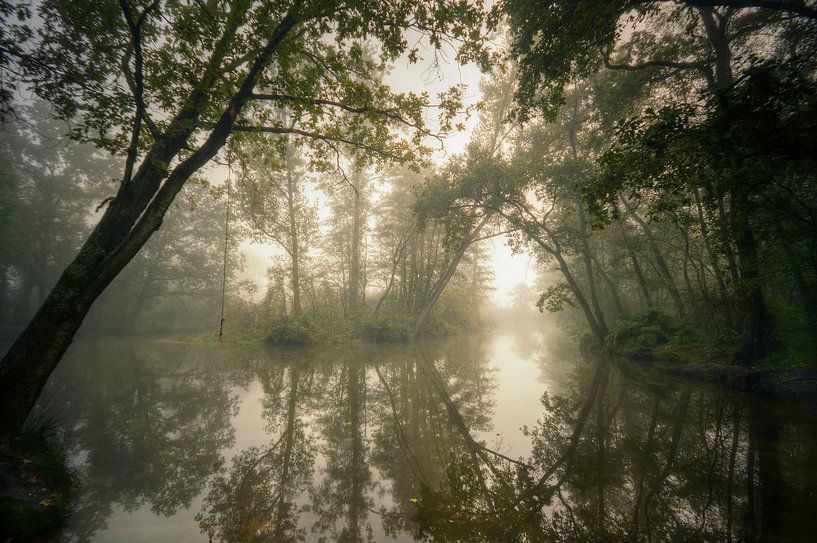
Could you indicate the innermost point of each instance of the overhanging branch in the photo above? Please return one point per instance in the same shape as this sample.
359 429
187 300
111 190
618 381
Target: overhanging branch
700 66
800 10
391 113
317 136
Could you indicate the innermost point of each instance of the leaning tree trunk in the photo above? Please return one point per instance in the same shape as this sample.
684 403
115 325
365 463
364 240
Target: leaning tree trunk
36 352
132 217
587 256
663 268
448 273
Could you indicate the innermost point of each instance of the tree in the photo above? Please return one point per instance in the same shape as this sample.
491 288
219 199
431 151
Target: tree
463 196
707 44
168 83
272 200
174 282
53 187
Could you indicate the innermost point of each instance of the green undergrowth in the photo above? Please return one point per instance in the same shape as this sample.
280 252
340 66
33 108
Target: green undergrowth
38 483
385 327
388 328
796 339
660 337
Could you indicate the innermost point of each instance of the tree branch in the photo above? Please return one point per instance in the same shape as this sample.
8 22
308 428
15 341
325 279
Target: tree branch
387 113
701 66
795 8
316 136
135 27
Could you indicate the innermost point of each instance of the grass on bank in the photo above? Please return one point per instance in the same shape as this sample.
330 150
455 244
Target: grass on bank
385 327
38 482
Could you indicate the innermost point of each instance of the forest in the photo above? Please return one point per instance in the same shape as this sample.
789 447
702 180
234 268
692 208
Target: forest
297 203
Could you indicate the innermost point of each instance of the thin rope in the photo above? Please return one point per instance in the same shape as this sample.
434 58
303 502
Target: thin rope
226 240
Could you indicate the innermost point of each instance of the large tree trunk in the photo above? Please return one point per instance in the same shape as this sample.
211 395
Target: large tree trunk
756 323
3 292
36 352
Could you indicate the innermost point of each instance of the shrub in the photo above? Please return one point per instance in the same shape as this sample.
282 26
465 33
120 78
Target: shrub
388 328
645 331
290 330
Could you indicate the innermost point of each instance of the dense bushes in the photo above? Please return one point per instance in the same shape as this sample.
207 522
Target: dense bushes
388 327
653 334
292 331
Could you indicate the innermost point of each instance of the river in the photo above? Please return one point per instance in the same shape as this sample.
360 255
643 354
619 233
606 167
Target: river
512 435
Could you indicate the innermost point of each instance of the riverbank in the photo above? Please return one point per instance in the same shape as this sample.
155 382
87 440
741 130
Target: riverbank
304 330
36 484
684 350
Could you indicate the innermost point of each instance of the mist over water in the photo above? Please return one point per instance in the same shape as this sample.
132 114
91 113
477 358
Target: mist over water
175 442
408 271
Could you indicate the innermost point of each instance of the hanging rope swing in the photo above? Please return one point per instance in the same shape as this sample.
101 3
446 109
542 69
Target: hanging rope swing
226 242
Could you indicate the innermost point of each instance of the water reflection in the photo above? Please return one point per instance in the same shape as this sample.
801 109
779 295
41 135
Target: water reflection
366 443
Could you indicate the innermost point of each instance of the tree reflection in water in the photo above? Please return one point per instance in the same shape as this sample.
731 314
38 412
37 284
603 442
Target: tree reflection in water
618 460
255 498
364 443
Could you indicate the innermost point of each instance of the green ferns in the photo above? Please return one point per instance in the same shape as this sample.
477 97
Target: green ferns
645 331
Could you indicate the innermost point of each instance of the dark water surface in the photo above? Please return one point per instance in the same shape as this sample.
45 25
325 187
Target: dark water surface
508 437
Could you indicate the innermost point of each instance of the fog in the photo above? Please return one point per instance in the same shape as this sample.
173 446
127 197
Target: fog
408 271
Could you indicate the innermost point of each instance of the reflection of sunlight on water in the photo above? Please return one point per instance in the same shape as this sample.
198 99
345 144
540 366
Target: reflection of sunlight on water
150 427
248 422
524 366
516 397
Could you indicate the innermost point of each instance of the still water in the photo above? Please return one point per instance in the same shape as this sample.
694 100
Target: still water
506 437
